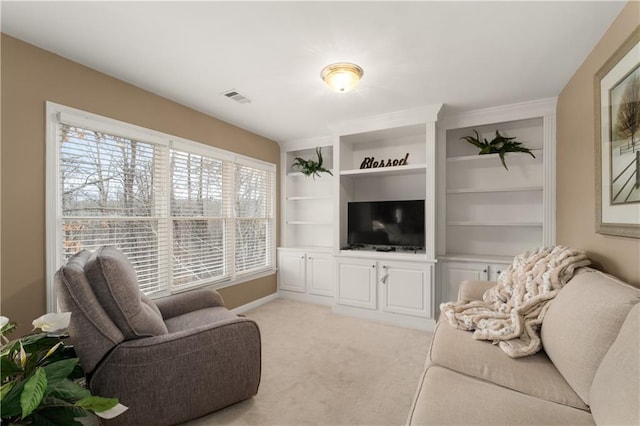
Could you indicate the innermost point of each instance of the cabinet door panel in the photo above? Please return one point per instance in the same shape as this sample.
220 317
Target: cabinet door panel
357 284
406 289
320 274
495 270
458 272
291 271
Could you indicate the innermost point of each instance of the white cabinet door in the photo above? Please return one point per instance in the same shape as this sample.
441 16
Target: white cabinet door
456 272
320 274
406 288
291 270
356 283
495 269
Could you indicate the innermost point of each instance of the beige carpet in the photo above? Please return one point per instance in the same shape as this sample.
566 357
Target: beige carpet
325 369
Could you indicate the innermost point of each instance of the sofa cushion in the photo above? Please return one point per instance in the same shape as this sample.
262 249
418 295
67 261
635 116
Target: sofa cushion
581 324
534 375
115 284
446 397
615 392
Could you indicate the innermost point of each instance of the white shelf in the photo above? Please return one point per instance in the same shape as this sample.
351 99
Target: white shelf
308 222
501 224
324 249
388 171
465 257
309 197
498 189
485 157
300 174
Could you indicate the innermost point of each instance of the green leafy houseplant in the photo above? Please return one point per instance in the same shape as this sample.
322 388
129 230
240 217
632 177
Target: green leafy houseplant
499 145
310 167
42 382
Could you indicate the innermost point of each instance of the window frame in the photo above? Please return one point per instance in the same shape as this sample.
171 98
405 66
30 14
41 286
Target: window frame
57 113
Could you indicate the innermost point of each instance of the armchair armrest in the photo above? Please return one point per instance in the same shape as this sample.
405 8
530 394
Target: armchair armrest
189 301
473 290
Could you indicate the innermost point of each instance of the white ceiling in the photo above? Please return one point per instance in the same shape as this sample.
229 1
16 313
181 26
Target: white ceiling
466 55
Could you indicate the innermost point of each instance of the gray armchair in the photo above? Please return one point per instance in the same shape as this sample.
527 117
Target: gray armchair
177 359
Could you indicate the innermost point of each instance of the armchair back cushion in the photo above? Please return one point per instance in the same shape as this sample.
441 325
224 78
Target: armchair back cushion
88 319
115 285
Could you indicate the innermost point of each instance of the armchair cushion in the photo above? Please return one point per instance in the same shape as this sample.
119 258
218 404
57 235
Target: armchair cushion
115 285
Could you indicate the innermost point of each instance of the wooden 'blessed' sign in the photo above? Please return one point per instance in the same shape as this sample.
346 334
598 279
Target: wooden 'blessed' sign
371 162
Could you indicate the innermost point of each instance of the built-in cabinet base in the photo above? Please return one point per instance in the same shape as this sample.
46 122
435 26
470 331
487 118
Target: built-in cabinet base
392 291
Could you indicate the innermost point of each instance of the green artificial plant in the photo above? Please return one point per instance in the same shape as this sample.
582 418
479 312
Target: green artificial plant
310 167
499 145
42 382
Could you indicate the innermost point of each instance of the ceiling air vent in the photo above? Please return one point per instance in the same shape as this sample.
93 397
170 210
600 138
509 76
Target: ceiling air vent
233 94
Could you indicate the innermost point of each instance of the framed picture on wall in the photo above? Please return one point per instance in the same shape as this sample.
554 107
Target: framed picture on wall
617 101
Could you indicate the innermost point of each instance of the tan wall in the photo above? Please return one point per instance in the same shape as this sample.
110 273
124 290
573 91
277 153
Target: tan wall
576 170
31 76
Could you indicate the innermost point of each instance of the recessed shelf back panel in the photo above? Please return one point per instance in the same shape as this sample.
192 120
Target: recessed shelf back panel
310 154
521 206
319 210
381 188
305 186
495 240
311 235
528 132
523 171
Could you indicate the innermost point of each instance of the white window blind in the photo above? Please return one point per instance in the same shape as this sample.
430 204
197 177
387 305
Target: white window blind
107 184
199 218
254 217
185 214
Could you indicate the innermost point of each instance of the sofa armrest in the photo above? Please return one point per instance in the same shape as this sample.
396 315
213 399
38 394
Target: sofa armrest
473 290
182 303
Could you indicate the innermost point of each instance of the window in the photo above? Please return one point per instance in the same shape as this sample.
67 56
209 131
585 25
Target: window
185 214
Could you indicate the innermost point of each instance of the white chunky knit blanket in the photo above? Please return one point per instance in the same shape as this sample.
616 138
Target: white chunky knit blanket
512 311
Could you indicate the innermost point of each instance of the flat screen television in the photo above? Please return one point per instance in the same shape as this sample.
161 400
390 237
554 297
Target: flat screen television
386 223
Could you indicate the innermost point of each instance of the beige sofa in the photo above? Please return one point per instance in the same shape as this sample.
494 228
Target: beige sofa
588 372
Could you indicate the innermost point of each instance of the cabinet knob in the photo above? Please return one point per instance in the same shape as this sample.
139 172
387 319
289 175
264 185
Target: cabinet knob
373 266
384 266
484 270
301 257
499 272
310 258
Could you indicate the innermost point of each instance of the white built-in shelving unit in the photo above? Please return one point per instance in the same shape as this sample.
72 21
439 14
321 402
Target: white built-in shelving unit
478 215
487 214
307 206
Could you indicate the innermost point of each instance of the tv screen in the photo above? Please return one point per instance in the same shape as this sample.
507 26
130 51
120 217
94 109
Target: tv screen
386 223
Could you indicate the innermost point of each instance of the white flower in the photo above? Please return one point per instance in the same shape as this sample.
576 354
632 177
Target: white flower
3 321
52 322
22 355
113 412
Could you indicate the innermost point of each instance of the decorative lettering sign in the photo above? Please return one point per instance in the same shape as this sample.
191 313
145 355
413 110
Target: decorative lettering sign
371 162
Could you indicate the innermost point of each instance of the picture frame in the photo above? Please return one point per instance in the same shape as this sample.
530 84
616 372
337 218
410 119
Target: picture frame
617 131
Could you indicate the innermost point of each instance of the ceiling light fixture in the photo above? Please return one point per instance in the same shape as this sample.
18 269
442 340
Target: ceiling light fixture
342 76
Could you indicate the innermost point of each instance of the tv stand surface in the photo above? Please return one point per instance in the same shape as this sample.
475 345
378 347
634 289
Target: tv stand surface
385 249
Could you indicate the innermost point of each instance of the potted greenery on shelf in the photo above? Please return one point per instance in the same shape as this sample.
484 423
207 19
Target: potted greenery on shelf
499 145
310 167
42 382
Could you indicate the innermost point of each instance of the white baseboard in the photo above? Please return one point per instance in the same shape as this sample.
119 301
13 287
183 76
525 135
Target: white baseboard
252 305
304 297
